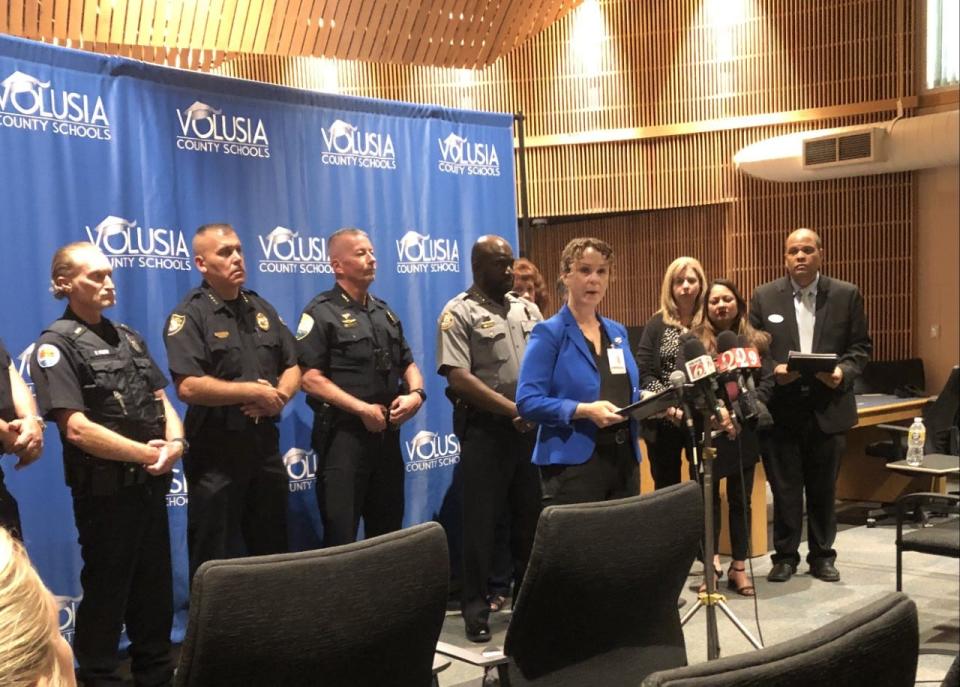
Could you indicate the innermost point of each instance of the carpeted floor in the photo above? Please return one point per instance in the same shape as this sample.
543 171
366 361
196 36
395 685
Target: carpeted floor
867 565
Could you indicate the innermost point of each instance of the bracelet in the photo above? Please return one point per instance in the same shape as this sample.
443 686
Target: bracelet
183 442
421 393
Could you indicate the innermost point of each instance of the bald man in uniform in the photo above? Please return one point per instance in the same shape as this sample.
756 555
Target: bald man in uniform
362 384
481 338
234 364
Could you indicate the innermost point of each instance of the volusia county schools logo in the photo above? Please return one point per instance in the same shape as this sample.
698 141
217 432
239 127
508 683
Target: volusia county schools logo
345 145
177 496
23 365
28 103
127 244
205 129
418 253
285 251
428 450
301 468
459 155
67 614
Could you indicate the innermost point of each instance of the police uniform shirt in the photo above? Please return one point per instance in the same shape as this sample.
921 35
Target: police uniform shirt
60 374
359 347
7 411
486 338
242 340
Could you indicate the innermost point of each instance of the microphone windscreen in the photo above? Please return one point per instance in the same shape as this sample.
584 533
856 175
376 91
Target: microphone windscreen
693 348
677 379
726 340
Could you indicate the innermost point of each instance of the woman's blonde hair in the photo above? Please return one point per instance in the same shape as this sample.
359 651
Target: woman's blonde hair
64 265
27 621
668 306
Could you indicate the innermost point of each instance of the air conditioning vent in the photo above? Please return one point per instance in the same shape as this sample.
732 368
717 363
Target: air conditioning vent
847 148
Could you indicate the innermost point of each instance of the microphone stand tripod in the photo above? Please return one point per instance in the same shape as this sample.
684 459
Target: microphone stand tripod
711 598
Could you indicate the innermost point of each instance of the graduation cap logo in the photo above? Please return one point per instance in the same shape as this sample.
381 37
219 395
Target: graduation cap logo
341 129
113 226
18 82
452 143
280 235
199 111
409 242
422 438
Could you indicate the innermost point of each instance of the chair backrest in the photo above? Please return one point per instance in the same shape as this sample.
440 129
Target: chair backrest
367 613
598 604
875 645
887 376
940 417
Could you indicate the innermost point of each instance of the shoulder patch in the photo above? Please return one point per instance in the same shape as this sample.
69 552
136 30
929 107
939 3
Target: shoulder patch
304 327
446 321
48 355
176 323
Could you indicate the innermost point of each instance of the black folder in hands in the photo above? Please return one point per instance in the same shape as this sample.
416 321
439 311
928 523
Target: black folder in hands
808 364
651 405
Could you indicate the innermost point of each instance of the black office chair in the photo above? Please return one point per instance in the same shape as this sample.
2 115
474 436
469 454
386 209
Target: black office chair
874 645
939 539
366 615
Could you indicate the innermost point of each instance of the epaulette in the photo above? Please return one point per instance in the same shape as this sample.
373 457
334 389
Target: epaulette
69 329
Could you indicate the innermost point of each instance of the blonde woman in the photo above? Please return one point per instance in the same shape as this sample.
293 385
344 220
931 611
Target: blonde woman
32 652
681 309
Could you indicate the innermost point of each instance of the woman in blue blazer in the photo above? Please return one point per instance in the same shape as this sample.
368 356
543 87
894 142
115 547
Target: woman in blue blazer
577 371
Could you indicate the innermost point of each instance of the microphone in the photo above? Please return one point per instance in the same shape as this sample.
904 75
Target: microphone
677 380
702 373
753 363
729 376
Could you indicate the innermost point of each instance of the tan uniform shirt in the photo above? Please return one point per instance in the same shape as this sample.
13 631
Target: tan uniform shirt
486 338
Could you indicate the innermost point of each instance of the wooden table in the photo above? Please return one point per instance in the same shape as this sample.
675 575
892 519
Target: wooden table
865 478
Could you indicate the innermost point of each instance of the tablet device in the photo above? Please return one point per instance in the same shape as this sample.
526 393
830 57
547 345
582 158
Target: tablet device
651 405
809 364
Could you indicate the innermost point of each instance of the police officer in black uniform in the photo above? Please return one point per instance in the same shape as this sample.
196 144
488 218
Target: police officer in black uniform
21 433
121 437
362 384
234 363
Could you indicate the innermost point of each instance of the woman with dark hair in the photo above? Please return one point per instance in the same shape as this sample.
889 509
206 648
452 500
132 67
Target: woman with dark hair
724 309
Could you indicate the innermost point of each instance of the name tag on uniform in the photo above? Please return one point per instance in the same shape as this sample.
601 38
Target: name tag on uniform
618 365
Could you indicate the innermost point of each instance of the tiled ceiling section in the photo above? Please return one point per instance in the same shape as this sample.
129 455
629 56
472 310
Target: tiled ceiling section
447 33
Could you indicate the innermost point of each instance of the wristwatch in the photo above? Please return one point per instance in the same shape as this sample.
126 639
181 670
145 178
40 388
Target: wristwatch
183 442
421 393
40 421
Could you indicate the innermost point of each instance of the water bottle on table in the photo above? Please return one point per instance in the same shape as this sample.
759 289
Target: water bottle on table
916 437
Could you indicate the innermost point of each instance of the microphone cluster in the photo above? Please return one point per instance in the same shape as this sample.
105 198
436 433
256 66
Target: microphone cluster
725 381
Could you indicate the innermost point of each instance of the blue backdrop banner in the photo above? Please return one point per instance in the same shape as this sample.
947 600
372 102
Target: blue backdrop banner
134 157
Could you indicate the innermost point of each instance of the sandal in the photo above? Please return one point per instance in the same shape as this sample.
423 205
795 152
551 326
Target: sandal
718 573
497 602
745 589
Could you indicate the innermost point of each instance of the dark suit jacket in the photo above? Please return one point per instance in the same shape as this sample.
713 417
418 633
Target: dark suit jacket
840 327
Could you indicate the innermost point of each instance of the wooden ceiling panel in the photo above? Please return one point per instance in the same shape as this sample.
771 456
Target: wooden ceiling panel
445 33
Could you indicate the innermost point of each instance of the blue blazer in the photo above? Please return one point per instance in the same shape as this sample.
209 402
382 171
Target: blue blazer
557 373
